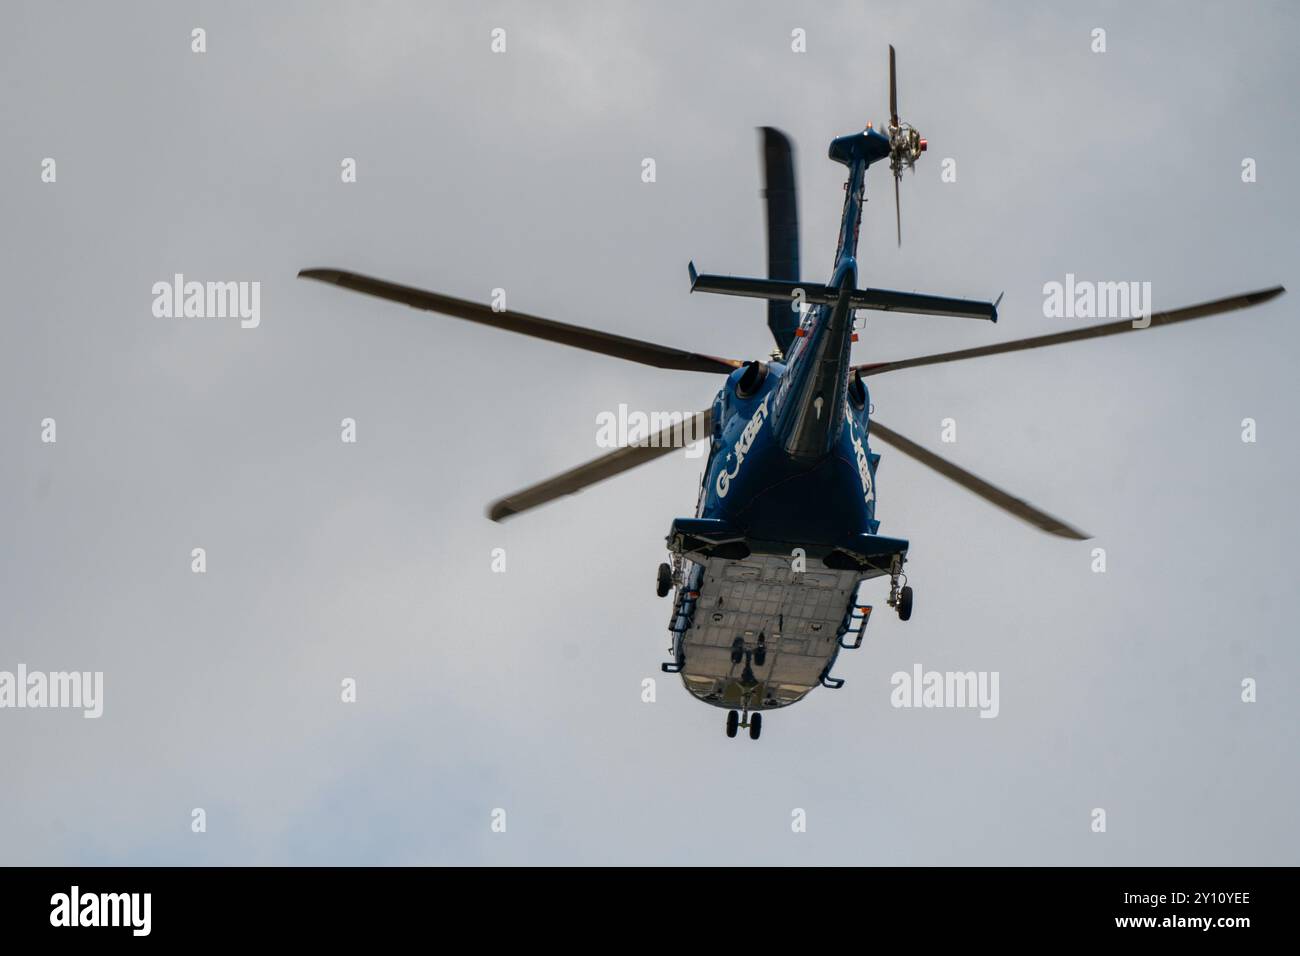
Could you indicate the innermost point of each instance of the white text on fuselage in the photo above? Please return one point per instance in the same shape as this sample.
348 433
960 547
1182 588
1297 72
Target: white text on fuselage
742 447
864 466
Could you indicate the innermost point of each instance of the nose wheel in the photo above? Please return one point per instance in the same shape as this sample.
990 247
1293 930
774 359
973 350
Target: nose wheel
753 721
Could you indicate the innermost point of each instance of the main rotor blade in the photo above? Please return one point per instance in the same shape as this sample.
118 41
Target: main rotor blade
606 343
606 466
990 493
779 197
1230 304
893 90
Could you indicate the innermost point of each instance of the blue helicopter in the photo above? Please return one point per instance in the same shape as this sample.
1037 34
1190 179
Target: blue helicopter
767 572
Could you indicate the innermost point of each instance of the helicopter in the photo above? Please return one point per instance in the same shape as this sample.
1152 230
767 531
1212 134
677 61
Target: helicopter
766 574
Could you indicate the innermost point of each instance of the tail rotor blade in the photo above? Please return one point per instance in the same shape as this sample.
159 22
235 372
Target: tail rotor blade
898 215
893 90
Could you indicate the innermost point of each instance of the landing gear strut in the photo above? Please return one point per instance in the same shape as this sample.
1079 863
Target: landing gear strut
751 658
900 592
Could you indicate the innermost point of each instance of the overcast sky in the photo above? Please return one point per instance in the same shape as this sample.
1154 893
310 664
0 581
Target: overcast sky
523 690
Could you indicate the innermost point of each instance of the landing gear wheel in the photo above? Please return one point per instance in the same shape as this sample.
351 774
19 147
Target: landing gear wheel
755 726
665 582
900 595
733 723
737 650
760 652
905 603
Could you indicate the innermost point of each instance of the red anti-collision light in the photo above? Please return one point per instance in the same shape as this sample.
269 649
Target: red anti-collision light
924 144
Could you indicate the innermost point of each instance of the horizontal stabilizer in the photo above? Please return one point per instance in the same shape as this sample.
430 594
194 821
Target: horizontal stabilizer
884 300
779 289
880 300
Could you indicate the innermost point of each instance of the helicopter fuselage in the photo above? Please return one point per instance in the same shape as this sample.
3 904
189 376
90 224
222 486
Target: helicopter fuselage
785 528
784 531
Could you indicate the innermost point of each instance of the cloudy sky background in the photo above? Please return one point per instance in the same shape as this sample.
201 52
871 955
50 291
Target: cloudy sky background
522 690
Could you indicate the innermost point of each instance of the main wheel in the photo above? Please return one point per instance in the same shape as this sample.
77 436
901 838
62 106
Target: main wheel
737 650
733 723
905 603
665 583
755 726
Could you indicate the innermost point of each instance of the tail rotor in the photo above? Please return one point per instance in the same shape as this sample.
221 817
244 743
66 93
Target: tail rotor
905 143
